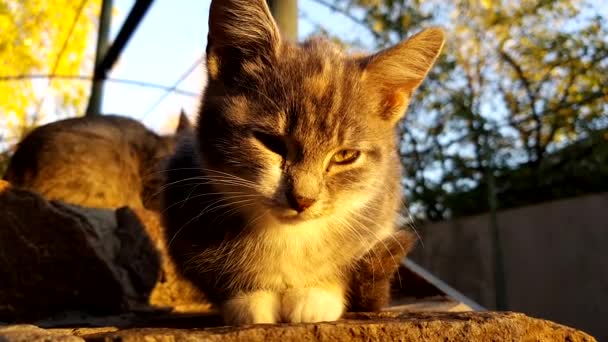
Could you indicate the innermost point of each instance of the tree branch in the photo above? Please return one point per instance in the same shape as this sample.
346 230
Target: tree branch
532 98
348 15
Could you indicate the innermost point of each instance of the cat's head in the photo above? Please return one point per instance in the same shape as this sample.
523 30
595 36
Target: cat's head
302 131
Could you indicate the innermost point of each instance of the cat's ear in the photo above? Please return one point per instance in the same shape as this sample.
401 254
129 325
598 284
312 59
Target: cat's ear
240 31
184 124
397 71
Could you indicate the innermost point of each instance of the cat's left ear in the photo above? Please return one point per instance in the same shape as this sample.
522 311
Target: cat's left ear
397 71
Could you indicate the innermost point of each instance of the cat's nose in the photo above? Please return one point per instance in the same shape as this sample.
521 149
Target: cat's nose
300 203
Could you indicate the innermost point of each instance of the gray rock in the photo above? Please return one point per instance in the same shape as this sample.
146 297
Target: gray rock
56 257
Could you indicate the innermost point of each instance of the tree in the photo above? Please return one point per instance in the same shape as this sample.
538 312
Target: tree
535 73
517 82
42 37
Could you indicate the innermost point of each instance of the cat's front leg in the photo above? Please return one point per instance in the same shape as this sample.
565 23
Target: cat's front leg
252 308
314 304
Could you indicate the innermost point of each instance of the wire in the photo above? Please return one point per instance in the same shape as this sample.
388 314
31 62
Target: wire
172 89
90 78
196 63
60 55
349 16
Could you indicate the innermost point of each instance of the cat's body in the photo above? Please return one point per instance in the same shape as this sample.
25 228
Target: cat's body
248 252
293 174
104 161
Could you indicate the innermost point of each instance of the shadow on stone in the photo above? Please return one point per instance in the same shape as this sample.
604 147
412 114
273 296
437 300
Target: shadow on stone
56 257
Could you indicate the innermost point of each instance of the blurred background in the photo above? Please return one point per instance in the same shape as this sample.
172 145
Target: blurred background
505 147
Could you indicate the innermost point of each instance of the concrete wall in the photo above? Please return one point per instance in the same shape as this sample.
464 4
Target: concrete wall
555 256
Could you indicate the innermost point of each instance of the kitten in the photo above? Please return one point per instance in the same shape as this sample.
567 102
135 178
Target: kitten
293 173
103 161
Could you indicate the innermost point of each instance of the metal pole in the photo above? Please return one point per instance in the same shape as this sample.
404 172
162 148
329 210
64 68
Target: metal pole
136 15
103 40
285 12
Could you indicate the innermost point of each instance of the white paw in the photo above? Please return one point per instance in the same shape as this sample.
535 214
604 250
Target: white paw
252 308
309 305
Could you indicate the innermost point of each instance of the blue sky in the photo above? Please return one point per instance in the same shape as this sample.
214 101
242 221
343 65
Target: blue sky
172 36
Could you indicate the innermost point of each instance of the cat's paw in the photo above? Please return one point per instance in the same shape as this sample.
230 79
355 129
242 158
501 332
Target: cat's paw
308 305
252 308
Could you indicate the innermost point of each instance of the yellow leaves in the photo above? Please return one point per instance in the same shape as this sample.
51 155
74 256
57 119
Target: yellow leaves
553 69
406 20
573 89
33 34
378 26
371 3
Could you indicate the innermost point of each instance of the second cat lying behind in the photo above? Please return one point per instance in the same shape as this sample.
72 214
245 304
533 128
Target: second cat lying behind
102 161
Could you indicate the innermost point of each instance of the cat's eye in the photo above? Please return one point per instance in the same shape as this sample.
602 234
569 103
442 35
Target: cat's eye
345 157
274 143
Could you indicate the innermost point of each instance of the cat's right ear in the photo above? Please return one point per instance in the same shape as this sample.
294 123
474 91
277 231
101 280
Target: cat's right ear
240 31
397 71
184 124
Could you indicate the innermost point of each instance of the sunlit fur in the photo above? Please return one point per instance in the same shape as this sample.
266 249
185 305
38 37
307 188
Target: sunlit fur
102 161
229 224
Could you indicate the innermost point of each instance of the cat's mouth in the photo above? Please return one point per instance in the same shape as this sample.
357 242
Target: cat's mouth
284 213
288 215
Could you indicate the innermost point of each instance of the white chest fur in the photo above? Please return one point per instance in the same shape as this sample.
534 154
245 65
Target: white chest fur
304 254
298 255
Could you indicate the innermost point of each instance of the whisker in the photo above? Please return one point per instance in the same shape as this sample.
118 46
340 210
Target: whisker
231 210
188 222
236 196
367 229
206 180
372 221
369 248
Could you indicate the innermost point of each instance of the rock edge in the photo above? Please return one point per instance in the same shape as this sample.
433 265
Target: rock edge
383 326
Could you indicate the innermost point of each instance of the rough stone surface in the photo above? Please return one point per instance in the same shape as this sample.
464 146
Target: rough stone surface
31 333
385 326
55 256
